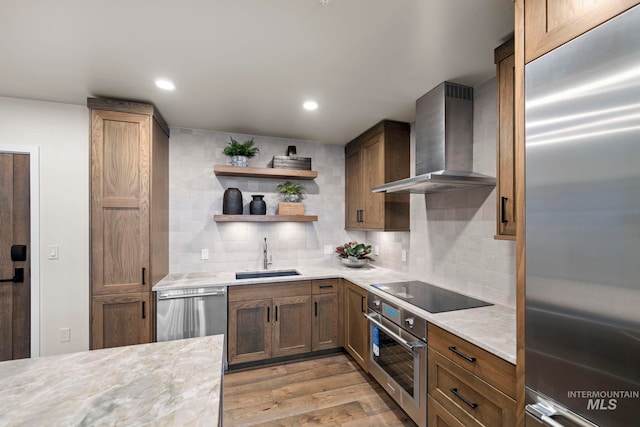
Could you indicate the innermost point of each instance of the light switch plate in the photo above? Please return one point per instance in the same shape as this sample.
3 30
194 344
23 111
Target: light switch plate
376 250
328 249
53 251
204 253
404 256
65 334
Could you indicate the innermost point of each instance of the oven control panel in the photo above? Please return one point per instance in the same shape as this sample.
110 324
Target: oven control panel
406 319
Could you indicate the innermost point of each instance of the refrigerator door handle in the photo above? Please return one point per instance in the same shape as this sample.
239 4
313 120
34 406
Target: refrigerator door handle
544 412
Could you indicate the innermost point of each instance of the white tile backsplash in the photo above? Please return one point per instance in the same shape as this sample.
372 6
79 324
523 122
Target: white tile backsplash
196 196
451 240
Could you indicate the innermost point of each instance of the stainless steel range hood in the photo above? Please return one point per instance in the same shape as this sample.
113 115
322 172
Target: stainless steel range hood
444 144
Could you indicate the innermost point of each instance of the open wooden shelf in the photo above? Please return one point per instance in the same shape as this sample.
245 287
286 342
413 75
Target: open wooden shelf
265 218
226 170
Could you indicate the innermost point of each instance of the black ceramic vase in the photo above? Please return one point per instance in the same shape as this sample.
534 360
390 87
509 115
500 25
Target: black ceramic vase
232 202
257 205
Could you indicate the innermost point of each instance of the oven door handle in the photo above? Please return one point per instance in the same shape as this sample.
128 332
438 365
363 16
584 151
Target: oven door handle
410 345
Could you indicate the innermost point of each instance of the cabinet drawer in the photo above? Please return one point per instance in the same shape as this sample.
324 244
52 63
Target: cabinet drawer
325 286
467 397
440 417
269 290
489 367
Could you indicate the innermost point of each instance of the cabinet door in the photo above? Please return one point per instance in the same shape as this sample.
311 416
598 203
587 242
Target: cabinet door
249 336
373 174
119 202
325 321
548 24
506 193
291 325
353 188
356 325
119 320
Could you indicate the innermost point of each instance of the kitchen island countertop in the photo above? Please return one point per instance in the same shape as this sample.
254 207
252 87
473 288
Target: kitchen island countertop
492 328
168 383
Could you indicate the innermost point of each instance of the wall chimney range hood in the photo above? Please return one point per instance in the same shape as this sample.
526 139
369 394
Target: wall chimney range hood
444 144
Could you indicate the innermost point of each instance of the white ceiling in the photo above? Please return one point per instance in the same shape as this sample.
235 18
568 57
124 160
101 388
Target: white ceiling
246 66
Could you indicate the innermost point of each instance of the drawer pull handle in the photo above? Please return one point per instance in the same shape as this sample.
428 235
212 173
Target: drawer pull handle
470 404
326 286
464 356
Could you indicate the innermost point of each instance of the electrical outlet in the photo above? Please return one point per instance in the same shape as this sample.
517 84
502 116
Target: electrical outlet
204 253
404 256
328 249
65 334
376 250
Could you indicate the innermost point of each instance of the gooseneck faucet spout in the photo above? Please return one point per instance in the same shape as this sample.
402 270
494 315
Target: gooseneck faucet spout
265 254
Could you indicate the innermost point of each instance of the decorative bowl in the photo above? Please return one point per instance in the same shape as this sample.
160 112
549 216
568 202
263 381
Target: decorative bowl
355 263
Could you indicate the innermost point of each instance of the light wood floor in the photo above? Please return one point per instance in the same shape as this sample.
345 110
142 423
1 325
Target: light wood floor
330 391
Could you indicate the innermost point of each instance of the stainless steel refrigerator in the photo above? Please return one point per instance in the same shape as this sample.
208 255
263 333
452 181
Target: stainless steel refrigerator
582 362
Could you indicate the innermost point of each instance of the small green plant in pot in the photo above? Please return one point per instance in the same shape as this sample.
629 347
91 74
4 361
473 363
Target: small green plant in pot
240 152
292 193
355 254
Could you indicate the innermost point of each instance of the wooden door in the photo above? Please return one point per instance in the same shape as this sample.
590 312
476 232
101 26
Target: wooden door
506 184
373 174
119 202
118 320
291 325
356 325
353 187
325 321
15 229
249 337
549 24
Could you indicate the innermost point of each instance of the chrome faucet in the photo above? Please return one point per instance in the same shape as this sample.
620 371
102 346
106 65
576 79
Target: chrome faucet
265 253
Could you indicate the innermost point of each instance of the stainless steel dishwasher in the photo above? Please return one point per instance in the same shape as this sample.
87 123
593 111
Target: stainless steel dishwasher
192 312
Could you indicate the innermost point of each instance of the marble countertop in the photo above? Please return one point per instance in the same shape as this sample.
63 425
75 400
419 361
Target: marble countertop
492 328
163 384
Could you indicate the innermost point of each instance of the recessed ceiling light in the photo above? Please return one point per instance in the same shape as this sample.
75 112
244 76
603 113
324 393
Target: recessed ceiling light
165 84
310 105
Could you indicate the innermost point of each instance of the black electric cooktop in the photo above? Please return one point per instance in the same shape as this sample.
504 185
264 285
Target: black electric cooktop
429 297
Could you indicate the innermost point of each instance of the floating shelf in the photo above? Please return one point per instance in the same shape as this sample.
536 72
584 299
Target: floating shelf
265 218
226 170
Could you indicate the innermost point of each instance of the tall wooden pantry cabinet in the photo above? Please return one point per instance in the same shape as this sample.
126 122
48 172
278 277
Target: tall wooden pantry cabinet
129 219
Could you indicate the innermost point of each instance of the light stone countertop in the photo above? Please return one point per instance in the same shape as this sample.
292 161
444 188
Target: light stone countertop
492 328
163 384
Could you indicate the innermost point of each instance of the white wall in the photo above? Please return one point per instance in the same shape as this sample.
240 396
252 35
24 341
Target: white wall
451 241
61 131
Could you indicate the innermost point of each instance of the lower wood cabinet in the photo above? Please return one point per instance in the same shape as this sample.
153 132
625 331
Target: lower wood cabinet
291 325
326 320
283 319
356 328
467 385
122 319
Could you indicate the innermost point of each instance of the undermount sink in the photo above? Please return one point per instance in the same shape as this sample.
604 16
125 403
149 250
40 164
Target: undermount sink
265 273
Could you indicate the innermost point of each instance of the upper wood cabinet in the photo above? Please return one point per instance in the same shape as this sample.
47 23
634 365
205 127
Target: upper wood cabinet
549 24
379 155
505 150
129 216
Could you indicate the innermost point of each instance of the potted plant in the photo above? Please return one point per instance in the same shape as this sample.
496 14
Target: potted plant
354 254
292 194
240 152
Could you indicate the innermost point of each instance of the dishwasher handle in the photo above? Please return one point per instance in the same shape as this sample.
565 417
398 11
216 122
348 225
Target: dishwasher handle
213 293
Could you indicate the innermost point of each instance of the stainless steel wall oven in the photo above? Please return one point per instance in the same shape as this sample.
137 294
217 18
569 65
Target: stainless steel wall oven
398 355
